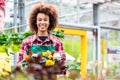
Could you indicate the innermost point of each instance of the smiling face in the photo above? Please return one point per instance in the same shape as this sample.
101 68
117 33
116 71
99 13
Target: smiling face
42 22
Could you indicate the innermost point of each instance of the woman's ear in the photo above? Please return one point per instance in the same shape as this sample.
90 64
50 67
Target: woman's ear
36 24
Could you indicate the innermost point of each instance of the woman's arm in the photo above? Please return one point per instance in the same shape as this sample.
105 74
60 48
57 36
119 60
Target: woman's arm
23 50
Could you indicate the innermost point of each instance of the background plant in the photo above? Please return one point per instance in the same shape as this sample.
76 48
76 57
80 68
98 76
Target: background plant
74 70
74 66
3 39
26 34
16 38
58 33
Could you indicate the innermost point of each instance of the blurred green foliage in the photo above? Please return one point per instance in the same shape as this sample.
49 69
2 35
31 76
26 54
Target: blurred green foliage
58 33
3 39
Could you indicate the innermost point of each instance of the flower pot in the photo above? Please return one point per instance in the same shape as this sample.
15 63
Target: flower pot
3 49
15 47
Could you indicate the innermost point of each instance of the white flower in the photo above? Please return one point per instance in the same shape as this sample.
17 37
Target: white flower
57 56
34 55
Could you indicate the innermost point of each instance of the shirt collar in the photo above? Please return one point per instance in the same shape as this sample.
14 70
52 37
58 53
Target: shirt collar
35 37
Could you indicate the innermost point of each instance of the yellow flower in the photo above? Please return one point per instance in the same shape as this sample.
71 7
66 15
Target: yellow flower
44 54
48 52
7 73
49 63
50 56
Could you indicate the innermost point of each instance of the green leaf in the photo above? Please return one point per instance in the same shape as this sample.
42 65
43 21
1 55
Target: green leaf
3 39
58 33
16 38
28 33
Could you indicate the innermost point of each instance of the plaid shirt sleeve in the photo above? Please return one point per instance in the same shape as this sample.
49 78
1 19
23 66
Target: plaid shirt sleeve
22 52
24 48
58 45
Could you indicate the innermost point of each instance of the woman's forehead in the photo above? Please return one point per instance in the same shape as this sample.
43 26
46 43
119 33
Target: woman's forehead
42 15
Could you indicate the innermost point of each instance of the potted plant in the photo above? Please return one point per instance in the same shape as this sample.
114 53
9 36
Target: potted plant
58 33
26 34
3 43
15 40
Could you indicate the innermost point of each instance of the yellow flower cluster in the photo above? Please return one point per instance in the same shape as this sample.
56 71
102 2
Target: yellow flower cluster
49 61
5 66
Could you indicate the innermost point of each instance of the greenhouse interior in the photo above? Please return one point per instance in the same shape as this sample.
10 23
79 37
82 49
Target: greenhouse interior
88 29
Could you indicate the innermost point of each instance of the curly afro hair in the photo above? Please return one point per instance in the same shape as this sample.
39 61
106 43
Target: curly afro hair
47 9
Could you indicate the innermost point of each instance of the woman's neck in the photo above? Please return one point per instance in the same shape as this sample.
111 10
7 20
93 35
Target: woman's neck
42 34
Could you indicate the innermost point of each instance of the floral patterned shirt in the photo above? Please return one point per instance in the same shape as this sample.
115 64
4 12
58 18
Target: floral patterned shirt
34 39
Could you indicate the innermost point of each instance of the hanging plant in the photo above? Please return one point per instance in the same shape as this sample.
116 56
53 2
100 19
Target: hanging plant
16 40
3 39
58 33
26 34
3 43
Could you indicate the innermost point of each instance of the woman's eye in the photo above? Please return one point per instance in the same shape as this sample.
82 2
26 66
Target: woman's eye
45 19
39 19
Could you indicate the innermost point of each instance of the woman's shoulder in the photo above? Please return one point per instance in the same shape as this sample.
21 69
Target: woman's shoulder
55 38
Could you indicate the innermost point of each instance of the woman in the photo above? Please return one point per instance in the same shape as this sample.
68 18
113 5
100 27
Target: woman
43 19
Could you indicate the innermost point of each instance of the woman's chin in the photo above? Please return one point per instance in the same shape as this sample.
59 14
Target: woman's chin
42 30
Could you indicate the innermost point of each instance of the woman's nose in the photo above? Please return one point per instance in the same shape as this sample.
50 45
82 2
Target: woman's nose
42 21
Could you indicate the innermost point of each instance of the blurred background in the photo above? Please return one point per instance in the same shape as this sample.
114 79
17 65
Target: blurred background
98 19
